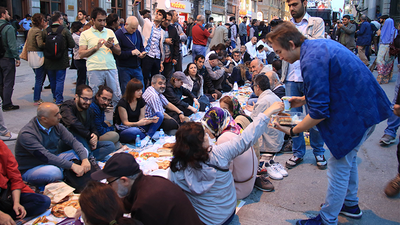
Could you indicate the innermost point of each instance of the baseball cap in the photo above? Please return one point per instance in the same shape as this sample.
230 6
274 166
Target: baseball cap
213 56
120 164
179 75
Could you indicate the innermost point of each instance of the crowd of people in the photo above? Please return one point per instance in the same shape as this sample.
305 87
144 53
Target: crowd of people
134 69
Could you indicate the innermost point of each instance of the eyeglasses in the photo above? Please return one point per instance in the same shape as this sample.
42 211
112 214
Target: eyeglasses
86 99
109 183
106 99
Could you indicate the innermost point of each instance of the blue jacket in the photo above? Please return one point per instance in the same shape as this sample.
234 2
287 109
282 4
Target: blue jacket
364 34
126 59
99 118
340 89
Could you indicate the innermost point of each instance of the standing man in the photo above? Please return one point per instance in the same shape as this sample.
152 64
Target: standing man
153 41
189 33
200 37
182 36
364 35
82 17
26 24
243 31
171 46
347 31
234 31
344 129
9 61
311 28
57 64
132 51
98 44
220 35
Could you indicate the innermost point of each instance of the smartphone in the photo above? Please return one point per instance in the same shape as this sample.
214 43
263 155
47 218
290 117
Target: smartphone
151 118
110 39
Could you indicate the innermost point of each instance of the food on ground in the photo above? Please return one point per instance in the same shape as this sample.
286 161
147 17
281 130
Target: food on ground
147 155
164 152
168 145
41 219
163 164
135 154
59 210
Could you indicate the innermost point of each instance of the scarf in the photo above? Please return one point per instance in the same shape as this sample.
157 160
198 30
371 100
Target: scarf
219 121
388 32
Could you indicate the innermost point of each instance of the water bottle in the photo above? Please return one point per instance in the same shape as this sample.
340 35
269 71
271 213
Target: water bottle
162 136
235 87
207 108
138 142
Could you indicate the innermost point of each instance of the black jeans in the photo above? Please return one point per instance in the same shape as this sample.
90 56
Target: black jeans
80 71
168 70
34 204
150 67
7 80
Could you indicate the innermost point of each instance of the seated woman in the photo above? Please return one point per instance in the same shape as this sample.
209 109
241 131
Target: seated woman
235 109
174 92
129 117
195 84
202 171
244 167
100 205
240 74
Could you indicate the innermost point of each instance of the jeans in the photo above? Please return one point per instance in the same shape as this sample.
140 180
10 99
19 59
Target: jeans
39 75
342 183
150 67
129 135
7 80
34 204
316 141
125 74
81 72
168 70
243 39
107 77
44 174
198 50
57 78
233 43
393 121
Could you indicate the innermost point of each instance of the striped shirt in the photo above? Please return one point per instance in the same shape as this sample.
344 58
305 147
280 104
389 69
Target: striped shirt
155 101
155 51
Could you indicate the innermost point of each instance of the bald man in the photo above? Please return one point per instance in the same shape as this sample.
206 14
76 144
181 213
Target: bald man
39 158
132 50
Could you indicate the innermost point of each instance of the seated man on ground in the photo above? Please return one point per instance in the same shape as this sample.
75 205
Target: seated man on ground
149 199
78 120
156 102
256 67
39 157
208 87
23 201
216 71
174 92
276 85
104 128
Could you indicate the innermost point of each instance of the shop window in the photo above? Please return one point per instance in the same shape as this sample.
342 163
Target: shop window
219 2
49 6
117 6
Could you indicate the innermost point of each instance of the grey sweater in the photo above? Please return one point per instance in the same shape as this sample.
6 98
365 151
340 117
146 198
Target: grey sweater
35 147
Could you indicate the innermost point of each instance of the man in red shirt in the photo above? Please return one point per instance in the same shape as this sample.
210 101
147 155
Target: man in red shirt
200 36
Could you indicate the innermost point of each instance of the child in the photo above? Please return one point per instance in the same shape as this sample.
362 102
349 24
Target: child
261 54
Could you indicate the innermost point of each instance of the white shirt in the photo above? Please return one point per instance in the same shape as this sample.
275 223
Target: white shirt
261 42
251 49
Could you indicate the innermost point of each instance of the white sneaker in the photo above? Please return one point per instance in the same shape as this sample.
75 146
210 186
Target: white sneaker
273 172
279 167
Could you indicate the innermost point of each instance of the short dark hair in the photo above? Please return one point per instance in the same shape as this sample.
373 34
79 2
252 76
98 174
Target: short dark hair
103 88
275 22
169 14
347 17
55 17
285 32
245 17
75 26
131 87
236 52
253 21
277 64
3 10
82 11
144 11
262 81
222 54
199 57
210 18
82 87
111 18
162 11
260 47
232 18
96 11
16 17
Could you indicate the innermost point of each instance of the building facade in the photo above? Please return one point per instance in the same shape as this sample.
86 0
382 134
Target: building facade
268 9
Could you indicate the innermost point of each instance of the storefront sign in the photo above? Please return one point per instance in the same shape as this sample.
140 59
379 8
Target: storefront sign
179 6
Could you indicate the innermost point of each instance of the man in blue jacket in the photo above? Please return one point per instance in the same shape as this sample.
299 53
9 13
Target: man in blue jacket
132 51
364 35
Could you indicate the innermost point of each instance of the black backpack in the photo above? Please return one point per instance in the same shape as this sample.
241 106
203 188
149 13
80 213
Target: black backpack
55 45
229 32
2 49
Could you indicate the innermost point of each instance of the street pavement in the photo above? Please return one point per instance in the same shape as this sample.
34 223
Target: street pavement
297 196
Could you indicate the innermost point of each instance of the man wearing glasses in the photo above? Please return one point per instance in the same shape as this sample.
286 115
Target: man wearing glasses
77 119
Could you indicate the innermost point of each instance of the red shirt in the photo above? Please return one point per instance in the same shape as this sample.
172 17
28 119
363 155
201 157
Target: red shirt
9 171
200 35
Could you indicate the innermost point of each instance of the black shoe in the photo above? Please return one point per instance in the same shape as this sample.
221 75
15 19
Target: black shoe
93 163
352 212
263 184
10 107
47 87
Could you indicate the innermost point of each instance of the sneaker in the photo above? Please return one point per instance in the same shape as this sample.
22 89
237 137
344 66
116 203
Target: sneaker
393 187
47 87
10 107
12 136
387 139
321 162
313 221
352 212
273 172
261 168
293 162
38 102
279 168
263 184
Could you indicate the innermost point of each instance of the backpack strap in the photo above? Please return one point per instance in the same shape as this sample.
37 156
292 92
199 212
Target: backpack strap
60 29
217 167
2 27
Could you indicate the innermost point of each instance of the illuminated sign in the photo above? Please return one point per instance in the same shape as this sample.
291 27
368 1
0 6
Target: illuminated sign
178 5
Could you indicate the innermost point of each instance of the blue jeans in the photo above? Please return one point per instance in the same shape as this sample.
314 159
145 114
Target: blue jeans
189 42
57 78
39 75
44 174
198 50
393 121
126 74
34 204
316 141
129 135
342 183
233 44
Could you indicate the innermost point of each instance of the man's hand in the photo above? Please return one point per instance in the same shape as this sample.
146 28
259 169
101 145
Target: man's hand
17 63
169 41
135 52
142 55
193 109
297 101
196 103
93 141
108 123
6 219
182 117
250 107
274 108
79 170
215 96
136 3
86 165
99 44
109 44
174 62
161 67
19 211
396 110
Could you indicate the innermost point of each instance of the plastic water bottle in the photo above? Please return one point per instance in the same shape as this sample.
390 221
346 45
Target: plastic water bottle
138 142
162 136
207 108
235 87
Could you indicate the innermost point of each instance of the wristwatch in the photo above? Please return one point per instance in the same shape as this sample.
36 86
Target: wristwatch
293 134
180 113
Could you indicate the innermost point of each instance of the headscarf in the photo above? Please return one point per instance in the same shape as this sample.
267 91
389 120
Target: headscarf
237 109
388 32
219 121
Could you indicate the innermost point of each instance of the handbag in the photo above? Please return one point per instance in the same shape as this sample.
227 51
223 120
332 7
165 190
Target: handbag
35 59
24 53
394 47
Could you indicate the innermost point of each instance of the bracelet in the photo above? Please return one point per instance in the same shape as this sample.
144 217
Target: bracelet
293 134
180 113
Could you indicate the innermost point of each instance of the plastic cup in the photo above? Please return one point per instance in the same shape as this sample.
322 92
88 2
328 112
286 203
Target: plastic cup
286 102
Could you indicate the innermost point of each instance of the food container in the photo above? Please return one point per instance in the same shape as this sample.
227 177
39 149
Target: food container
287 118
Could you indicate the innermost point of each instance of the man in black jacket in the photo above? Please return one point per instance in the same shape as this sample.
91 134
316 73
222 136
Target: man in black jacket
77 119
171 46
208 86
